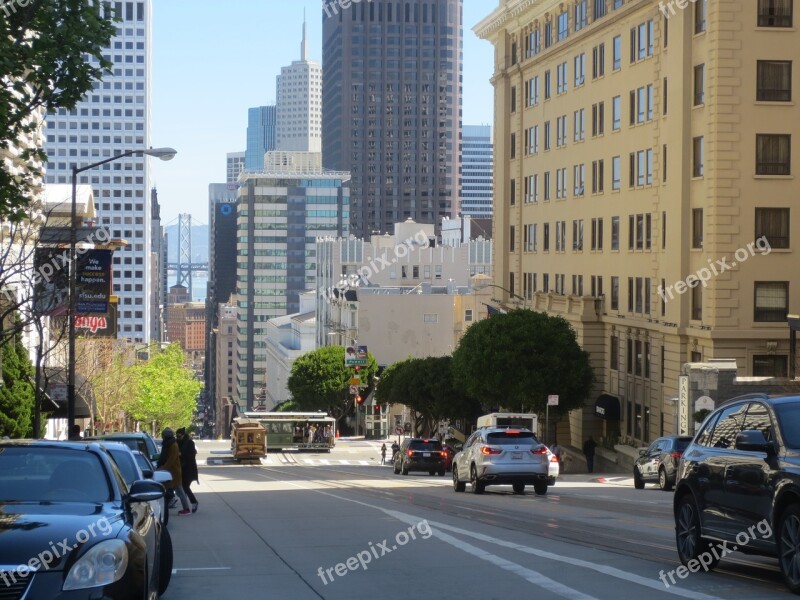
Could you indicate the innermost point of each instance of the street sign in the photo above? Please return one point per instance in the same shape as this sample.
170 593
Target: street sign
683 405
355 380
552 400
355 356
353 389
399 430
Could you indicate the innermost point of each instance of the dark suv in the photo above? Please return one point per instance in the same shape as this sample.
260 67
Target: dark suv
739 484
417 454
659 463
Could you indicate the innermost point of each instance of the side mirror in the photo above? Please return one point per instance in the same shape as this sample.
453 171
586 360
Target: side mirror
162 477
752 440
145 491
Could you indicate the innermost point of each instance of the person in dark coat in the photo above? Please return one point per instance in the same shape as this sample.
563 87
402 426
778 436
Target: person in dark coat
188 465
170 460
588 451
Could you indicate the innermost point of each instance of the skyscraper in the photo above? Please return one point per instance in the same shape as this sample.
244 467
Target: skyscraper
476 171
111 119
298 125
234 163
260 136
391 98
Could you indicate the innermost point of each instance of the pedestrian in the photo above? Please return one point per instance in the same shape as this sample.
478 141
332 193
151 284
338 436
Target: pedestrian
383 454
188 465
395 448
588 450
170 460
558 452
75 433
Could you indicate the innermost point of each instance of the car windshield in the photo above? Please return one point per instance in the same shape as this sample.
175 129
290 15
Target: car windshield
789 418
124 460
429 445
31 474
511 438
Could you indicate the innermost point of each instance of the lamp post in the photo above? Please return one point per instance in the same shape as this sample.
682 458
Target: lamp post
163 154
794 327
509 292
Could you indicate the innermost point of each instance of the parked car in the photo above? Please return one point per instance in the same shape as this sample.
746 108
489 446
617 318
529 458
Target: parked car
739 484
449 453
554 469
75 492
659 462
417 454
503 456
135 440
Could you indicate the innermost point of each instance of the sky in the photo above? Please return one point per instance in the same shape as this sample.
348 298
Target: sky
211 62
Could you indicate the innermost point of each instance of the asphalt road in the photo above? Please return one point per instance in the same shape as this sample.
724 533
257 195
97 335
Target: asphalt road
341 526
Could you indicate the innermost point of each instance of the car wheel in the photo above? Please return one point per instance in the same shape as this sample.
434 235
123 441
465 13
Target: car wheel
638 482
687 534
404 469
540 488
789 547
663 482
458 485
164 562
477 485
519 488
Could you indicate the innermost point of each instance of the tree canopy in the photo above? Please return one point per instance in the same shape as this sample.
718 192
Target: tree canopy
44 45
320 381
16 394
516 360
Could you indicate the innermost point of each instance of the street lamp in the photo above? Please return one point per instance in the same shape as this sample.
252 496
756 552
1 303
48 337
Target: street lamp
794 327
163 154
509 292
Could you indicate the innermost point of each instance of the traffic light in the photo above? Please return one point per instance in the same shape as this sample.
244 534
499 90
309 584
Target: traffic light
376 410
359 399
355 369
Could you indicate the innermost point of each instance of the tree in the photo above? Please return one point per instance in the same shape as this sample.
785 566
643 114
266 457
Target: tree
166 390
287 406
43 49
16 395
320 381
516 360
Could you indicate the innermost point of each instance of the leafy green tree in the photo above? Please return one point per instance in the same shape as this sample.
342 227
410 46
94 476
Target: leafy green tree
166 390
320 381
287 406
516 360
16 395
43 67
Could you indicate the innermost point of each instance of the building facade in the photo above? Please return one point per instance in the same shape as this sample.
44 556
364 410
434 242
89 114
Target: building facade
298 125
234 164
644 186
260 136
391 98
281 211
477 177
224 367
158 270
113 118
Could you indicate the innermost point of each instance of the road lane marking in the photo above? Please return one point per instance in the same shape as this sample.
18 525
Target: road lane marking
175 571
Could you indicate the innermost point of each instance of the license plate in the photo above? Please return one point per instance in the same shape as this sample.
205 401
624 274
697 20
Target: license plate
426 454
516 455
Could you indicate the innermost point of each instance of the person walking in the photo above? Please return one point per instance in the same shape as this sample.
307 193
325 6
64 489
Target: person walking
383 454
558 452
188 465
588 451
170 460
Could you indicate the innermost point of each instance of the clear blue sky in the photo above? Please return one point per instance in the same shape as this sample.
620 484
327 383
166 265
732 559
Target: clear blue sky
213 60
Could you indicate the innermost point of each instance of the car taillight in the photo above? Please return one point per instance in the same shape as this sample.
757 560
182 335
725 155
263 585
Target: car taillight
676 455
444 454
541 450
410 452
554 459
486 450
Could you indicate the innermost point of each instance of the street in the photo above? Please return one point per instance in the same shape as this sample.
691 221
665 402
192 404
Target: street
340 525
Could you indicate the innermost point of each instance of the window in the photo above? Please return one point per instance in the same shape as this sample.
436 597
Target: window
547 185
774 81
664 230
598 118
614 293
664 112
563 26
615 233
697 157
546 282
599 9
614 353
630 356
697 302
699 85
430 318
597 235
775 13
730 423
580 15
577 178
597 176
773 225
773 154
598 61
561 131
770 365
615 173
546 238
577 236
579 125
468 315
616 112
512 188
547 84
512 237
700 11
617 53
771 301
637 359
561 78
580 69
513 148
547 135
664 163
548 34
597 286
513 98
697 228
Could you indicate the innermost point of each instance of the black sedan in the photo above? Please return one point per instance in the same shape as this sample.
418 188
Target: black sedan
659 462
72 528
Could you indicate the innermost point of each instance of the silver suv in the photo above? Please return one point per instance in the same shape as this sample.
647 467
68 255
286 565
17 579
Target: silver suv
502 456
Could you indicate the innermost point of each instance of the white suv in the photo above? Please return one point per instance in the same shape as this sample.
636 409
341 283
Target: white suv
502 456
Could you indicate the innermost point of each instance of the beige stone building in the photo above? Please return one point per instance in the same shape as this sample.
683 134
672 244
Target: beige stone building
640 147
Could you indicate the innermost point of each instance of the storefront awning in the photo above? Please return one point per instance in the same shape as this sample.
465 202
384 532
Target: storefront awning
607 407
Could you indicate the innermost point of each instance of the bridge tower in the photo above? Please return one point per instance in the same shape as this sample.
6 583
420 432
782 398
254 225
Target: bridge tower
185 251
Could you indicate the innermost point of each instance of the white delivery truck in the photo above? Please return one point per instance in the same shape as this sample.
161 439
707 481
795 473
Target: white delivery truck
527 420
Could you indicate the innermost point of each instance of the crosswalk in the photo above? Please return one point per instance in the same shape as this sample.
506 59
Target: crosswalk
290 459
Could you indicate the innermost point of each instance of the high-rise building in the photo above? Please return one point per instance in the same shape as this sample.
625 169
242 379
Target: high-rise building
477 184
112 118
298 125
391 108
260 136
646 189
234 165
281 211
158 270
